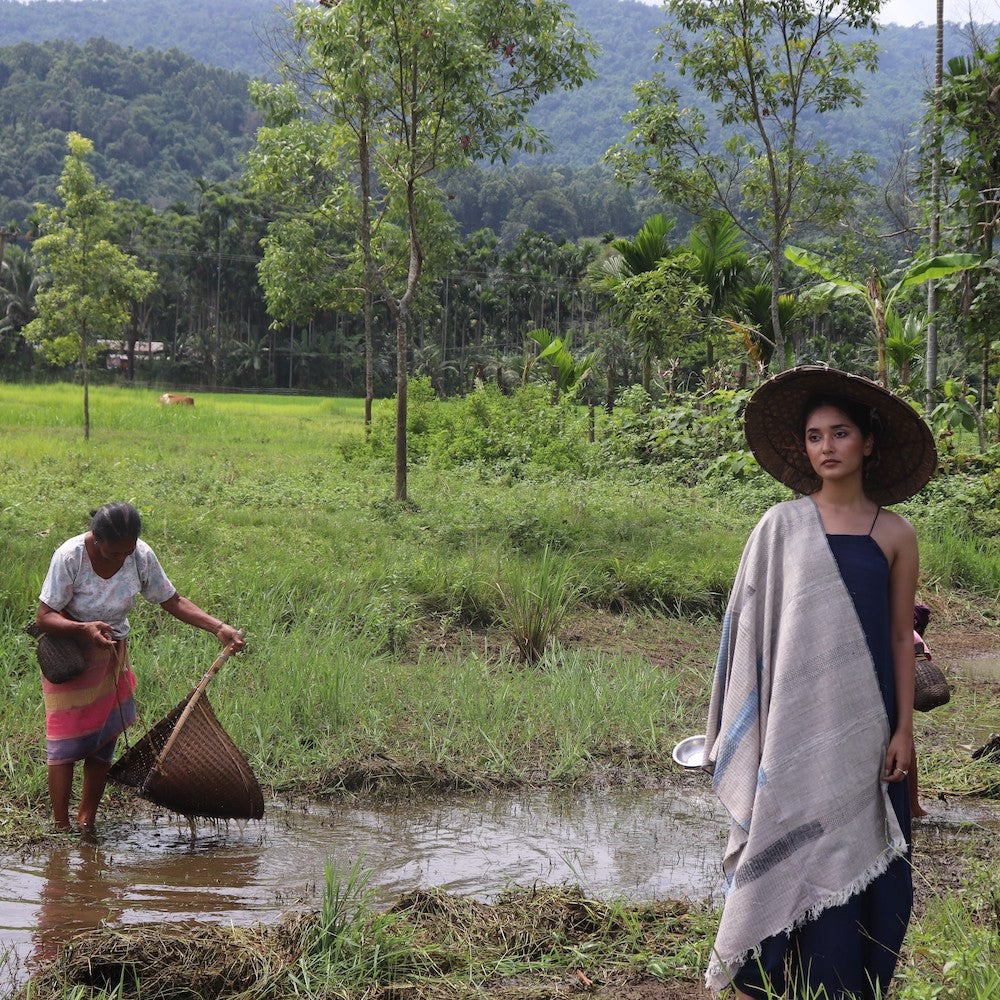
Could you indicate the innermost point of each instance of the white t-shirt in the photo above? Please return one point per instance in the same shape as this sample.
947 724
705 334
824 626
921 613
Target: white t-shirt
72 587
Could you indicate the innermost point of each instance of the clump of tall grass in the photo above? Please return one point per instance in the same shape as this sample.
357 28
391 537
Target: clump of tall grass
260 521
535 601
956 945
351 945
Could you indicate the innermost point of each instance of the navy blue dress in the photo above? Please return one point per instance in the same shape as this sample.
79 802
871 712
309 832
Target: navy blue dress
850 950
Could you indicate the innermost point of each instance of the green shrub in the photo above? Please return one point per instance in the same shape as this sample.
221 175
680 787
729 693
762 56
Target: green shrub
487 427
689 432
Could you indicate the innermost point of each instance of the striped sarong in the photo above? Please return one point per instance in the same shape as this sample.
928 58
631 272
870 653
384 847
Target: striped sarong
92 710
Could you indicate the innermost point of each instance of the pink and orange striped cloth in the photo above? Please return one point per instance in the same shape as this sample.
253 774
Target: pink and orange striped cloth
84 716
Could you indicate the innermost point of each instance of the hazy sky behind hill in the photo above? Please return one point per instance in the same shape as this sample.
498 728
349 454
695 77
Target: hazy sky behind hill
917 11
909 12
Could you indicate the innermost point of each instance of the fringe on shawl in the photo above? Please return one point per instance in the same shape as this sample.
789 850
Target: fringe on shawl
721 971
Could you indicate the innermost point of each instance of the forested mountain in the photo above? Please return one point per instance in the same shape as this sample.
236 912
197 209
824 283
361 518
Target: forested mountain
159 118
230 34
237 35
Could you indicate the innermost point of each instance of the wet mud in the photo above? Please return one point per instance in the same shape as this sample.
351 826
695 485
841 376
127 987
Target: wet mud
218 907
631 845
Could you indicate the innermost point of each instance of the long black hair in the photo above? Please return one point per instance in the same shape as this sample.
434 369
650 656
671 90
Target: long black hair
116 522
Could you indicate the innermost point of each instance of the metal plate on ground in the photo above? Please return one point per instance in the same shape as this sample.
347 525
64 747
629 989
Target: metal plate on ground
690 752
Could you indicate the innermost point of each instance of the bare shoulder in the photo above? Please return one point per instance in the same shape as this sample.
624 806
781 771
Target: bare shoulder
896 536
897 524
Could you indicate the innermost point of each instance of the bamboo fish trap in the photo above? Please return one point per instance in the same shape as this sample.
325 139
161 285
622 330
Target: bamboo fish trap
187 762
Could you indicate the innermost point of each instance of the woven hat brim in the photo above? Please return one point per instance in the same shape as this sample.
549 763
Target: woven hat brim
905 458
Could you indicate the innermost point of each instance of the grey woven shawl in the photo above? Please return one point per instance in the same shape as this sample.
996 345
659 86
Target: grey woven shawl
796 741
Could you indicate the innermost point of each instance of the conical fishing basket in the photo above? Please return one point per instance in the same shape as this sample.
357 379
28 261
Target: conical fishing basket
202 773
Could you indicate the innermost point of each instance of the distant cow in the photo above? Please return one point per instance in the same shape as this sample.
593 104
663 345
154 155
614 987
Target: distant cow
171 398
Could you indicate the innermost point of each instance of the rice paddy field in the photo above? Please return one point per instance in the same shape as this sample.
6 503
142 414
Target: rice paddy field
494 631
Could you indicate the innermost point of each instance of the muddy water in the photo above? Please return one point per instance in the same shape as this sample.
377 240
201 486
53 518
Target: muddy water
630 845
983 668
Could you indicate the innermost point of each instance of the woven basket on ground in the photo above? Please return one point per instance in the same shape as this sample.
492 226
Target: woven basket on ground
202 773
931 690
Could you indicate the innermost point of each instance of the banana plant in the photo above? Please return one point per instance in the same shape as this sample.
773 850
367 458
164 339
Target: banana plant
878 298
959 410
566 371
904 343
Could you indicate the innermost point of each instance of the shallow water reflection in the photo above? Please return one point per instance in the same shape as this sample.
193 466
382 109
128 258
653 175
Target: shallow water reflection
630 845
983 668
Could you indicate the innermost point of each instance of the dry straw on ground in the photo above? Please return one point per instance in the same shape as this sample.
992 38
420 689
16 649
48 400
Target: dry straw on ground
171 961
524 929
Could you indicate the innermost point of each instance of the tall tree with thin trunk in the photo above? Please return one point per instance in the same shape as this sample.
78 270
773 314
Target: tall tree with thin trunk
6 233
769 70
930 366
966 114
437 83
90 283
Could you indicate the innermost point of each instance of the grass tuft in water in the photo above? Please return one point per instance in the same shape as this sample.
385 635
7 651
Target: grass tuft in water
351 945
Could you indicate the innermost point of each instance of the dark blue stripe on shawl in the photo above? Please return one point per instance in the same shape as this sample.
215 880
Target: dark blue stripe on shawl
746 717
776 852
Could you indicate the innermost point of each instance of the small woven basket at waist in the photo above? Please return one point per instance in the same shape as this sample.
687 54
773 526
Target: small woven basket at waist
931 689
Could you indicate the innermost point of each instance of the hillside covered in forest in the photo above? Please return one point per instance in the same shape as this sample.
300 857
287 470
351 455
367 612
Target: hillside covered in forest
160 86
158 120
231 34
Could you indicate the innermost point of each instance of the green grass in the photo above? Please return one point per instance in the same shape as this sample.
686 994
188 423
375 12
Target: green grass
535 602
969 563
375 630
257 516
376 635
953 951
437 946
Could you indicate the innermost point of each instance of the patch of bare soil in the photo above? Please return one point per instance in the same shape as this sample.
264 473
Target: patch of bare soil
666 641
960 628
381 775
613 987
945 853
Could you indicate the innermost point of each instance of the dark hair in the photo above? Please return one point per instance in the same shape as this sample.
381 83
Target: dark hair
115 522
864 417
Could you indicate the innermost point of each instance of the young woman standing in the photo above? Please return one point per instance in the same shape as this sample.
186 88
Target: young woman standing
810 729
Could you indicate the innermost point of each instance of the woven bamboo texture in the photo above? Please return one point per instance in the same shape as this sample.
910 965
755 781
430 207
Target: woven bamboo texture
931 689
60 658
905 454
202 774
